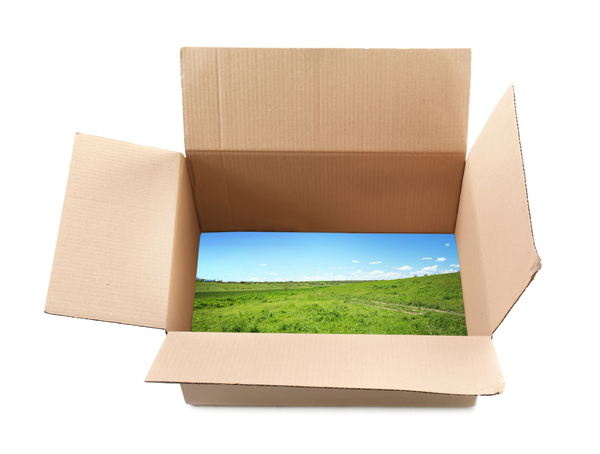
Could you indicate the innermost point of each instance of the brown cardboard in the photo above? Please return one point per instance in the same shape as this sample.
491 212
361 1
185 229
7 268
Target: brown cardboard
411 100
184 258
332 140
115 258
493 230
288 139
458 365
240 395
409 192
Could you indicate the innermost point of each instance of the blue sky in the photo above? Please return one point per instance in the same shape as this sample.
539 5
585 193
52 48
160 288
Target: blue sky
281 256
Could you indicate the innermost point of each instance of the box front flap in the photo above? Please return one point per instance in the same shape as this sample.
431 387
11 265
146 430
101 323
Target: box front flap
465 365
115 246
493 231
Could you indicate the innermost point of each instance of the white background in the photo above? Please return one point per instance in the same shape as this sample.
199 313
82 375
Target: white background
113 70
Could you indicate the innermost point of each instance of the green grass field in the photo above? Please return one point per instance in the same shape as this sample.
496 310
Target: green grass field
418 305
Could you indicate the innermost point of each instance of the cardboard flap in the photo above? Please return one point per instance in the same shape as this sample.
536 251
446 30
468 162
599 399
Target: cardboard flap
493 231
465 365
326 99
115 256
326 140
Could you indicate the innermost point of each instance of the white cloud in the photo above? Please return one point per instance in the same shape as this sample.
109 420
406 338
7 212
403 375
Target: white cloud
427 270
426 258
254 279
374 275
354 261
403 268
273 274
447 244
263 264
374 263
318 271
441 259
454 266
430 269
329 277
449 271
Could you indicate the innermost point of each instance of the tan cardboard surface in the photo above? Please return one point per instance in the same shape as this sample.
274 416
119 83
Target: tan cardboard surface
317 397
184 260
465 365
498 257
114 253
298 139
327 192
326 99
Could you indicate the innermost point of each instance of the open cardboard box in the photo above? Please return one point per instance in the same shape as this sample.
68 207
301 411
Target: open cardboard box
305 140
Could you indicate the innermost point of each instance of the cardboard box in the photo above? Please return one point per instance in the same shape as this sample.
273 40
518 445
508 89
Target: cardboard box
309 140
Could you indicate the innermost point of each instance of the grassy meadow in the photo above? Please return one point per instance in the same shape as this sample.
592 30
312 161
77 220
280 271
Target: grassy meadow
428 305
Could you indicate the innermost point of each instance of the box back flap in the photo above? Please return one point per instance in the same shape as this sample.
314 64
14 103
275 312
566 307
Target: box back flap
115 256
465 365
493 231
326 99
332 140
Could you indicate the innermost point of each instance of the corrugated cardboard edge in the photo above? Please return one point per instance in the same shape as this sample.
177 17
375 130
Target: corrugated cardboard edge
537 265
493 231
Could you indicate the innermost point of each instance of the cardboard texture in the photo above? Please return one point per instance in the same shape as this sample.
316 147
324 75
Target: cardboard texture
327 192
114 251
359 100
464 365
493 230
288 139
309 140
243 395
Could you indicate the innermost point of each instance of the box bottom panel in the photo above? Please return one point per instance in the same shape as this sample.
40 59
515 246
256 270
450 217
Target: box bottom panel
241 395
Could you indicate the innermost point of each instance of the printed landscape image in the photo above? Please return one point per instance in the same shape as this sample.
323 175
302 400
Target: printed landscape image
265 282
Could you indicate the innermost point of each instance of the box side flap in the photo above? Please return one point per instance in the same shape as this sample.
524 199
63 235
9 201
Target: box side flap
326 99
115 243
493 229
375 192
184 259
465 365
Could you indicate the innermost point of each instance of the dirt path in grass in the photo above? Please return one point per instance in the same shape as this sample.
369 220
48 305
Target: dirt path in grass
407 312
390 309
